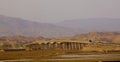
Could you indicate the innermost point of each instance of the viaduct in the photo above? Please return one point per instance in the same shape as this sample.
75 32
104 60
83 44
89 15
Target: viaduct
64 45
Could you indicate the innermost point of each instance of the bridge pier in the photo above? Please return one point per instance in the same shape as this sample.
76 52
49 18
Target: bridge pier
61 45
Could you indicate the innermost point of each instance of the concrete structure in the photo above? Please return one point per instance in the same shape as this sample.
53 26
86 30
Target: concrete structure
64 45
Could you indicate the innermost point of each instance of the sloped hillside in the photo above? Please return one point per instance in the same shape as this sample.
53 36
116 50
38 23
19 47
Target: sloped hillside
16 26
100 36
92 25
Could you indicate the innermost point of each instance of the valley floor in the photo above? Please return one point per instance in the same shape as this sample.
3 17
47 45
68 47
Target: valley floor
59 56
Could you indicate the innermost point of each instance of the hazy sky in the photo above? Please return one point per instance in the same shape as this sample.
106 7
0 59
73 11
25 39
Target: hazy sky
59 10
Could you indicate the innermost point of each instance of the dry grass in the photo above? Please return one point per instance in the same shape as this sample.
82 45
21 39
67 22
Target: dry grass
28 54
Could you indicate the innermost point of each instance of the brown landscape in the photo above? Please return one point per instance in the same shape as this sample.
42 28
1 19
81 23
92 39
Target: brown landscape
26 41
59 30
39 48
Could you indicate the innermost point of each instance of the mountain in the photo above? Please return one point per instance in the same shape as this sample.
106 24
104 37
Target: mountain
92 25
11 26
16 26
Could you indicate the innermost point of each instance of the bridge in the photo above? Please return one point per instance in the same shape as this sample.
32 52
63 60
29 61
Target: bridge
64 45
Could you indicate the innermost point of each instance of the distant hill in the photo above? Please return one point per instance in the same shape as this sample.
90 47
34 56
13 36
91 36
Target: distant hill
93 25
16 26
11 26
20 39
99 36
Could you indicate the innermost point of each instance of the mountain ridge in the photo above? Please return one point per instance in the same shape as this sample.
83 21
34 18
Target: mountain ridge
17 26
92 24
